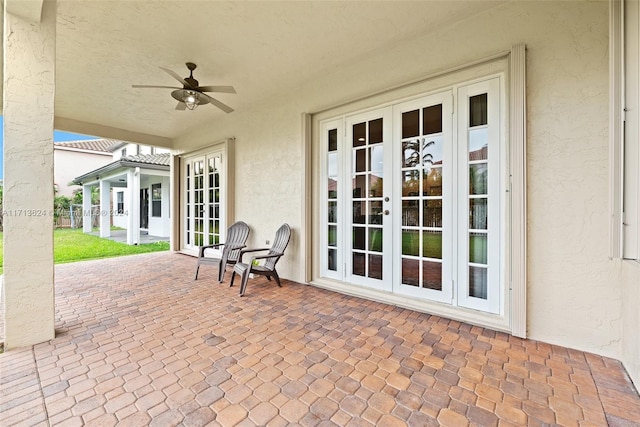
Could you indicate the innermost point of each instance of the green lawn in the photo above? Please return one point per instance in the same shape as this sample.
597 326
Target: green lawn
74 245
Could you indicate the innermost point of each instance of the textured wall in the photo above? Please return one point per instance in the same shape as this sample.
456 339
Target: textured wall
29 85
574 290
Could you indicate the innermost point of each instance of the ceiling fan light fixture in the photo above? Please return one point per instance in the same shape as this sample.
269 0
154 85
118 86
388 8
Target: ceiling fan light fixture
191 99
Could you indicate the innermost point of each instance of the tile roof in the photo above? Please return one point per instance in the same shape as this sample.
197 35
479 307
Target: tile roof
149 159
103 145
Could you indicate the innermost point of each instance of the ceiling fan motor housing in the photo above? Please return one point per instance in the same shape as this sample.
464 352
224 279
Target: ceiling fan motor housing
192 82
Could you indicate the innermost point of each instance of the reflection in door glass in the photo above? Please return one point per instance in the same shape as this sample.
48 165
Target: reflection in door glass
332 199
422 163
478 282
375 266
367 177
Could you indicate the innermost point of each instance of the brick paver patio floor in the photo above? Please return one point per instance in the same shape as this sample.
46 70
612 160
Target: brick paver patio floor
140 343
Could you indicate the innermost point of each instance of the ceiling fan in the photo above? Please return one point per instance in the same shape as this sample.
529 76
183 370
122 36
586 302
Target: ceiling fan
190 95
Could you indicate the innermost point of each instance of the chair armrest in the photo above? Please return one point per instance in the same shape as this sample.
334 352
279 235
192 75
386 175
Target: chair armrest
273 255
234 247
244 251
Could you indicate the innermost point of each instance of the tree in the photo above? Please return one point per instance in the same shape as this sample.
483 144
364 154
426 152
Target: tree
95 196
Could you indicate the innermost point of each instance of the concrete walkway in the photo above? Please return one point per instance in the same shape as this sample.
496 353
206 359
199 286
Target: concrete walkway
140 343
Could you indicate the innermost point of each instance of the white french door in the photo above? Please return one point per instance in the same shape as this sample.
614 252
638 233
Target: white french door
204 195
480 208
368 223
412 197
424 197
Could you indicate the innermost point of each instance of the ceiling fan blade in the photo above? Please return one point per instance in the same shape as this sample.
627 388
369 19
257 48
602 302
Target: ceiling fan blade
220 89
176 76
181 106
155 87
218 104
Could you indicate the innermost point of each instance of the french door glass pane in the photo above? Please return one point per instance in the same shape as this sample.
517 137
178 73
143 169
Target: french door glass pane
359 238
332 260
359 186
358 264
375 213
332 212
478 213
375 131
478 248
478 178
410 272
432 275
432 244
331 235
360 160
359 212
432 150
410 182
375 266
411 242
478 144
410 153
432 181
375 239
410 124
359 134
478 282
332 164
432 122
332 187
432 213
333 140
478 110
411 213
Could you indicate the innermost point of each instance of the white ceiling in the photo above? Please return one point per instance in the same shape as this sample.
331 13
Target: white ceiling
261 48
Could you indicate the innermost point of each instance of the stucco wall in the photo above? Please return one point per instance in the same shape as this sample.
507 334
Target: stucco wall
67 165
574 290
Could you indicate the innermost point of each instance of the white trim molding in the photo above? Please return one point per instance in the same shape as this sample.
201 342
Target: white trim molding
616 125
518 146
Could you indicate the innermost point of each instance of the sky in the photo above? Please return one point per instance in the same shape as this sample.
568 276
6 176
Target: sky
58 136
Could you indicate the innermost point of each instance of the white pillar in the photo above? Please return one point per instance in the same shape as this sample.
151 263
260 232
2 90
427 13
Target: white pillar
28 109
86 209
174 205
105 208
133 193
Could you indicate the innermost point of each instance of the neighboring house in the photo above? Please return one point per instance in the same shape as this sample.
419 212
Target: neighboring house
136 191
74 158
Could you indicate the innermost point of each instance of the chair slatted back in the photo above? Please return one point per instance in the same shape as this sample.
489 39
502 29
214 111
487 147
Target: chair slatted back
237 235
280 243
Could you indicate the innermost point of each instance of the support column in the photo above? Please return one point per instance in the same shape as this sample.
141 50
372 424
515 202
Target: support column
86 209
28 108
133 194
105 208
